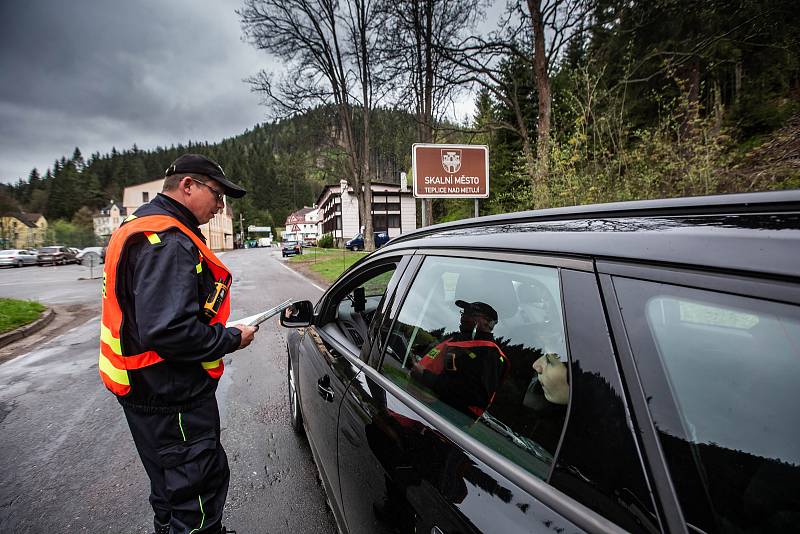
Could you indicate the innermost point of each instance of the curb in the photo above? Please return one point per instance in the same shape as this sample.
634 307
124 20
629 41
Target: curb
30 328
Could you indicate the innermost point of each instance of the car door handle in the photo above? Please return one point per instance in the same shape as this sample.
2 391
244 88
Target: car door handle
324 388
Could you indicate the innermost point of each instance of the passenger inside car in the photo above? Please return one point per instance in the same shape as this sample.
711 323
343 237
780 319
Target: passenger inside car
553 378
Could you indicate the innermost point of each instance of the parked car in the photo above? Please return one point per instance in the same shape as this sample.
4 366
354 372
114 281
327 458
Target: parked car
629 367
357 243
310 242
86 255
17 257
290 248
55 255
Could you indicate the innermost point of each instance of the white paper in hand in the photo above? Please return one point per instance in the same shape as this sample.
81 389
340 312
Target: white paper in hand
260 317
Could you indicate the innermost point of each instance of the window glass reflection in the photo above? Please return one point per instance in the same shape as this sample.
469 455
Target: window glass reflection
725 401
482 343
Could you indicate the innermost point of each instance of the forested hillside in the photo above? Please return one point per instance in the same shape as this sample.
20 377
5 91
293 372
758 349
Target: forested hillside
579 101
282 165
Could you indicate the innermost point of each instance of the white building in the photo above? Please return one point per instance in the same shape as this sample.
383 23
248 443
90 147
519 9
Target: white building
218 231
108 220
394 211
302 225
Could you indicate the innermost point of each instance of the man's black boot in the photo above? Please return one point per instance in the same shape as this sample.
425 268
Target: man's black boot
161 528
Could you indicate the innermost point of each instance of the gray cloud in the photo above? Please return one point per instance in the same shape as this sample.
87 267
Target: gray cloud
97 74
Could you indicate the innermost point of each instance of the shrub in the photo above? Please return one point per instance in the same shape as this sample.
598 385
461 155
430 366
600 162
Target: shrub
325 241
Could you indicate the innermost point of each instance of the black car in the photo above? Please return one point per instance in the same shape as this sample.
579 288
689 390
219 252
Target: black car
290 248
623 367
357 242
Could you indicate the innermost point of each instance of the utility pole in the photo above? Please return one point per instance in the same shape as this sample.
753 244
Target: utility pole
241 229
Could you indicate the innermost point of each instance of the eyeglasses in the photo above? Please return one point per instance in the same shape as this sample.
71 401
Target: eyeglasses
220 196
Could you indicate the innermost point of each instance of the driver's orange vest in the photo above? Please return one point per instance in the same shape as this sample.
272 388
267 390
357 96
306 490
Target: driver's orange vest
115 361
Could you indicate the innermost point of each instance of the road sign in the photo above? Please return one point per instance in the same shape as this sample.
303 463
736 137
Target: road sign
450 171
253 228
295 228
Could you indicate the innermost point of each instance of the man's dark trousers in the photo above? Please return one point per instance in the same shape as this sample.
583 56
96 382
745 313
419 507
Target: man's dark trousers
186 463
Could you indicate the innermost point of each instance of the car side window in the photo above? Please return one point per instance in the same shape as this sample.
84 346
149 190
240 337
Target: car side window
721 373
358 301
482 343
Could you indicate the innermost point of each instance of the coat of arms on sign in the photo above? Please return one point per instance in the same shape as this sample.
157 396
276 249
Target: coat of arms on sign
451 159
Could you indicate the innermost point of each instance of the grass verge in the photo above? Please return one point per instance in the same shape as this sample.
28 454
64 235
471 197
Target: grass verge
328 263
15 313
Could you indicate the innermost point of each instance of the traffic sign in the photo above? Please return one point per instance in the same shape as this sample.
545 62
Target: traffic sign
450 171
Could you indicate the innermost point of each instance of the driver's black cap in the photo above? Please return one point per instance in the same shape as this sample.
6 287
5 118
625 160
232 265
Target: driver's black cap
478 307
197 164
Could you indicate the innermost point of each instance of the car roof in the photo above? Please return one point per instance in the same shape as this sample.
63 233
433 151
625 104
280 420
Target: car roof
752 232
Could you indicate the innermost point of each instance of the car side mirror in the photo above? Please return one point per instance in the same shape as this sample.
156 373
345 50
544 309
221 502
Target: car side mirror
300 313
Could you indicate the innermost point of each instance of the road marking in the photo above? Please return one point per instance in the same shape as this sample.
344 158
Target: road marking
301 276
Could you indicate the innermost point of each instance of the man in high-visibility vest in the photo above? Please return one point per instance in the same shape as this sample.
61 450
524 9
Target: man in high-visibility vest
166 300
466 369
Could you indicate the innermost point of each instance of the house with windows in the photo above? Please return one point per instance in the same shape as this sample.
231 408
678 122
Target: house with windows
394 210
218 231
22 230
108 220
302 225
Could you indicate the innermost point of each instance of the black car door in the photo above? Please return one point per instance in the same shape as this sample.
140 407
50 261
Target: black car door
411 462
329 357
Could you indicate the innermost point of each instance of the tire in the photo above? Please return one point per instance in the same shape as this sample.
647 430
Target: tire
295 415
18 264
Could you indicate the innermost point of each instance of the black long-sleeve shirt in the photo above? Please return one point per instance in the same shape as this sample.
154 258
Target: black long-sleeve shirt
161 295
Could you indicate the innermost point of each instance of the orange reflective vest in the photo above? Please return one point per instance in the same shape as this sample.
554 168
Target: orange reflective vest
115 362
442 359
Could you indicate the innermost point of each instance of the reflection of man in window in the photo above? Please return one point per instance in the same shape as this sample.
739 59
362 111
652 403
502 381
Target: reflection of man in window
465 370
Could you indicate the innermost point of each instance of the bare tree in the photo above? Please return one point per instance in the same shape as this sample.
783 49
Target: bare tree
328 47
428 79
531 34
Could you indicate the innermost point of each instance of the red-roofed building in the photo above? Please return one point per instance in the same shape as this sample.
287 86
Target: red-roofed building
302 225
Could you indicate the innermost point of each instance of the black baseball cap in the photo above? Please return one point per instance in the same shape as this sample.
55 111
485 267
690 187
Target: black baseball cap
197 164
478 307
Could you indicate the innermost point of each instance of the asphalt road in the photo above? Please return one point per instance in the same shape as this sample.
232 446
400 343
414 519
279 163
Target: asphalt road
59 284
67 461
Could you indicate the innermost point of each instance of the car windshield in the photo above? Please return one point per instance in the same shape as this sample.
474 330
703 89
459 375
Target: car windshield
290 243
48 249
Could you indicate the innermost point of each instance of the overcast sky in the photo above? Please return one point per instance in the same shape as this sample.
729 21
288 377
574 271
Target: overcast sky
98 74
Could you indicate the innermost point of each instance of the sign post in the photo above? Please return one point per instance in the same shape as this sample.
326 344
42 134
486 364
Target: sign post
450 171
